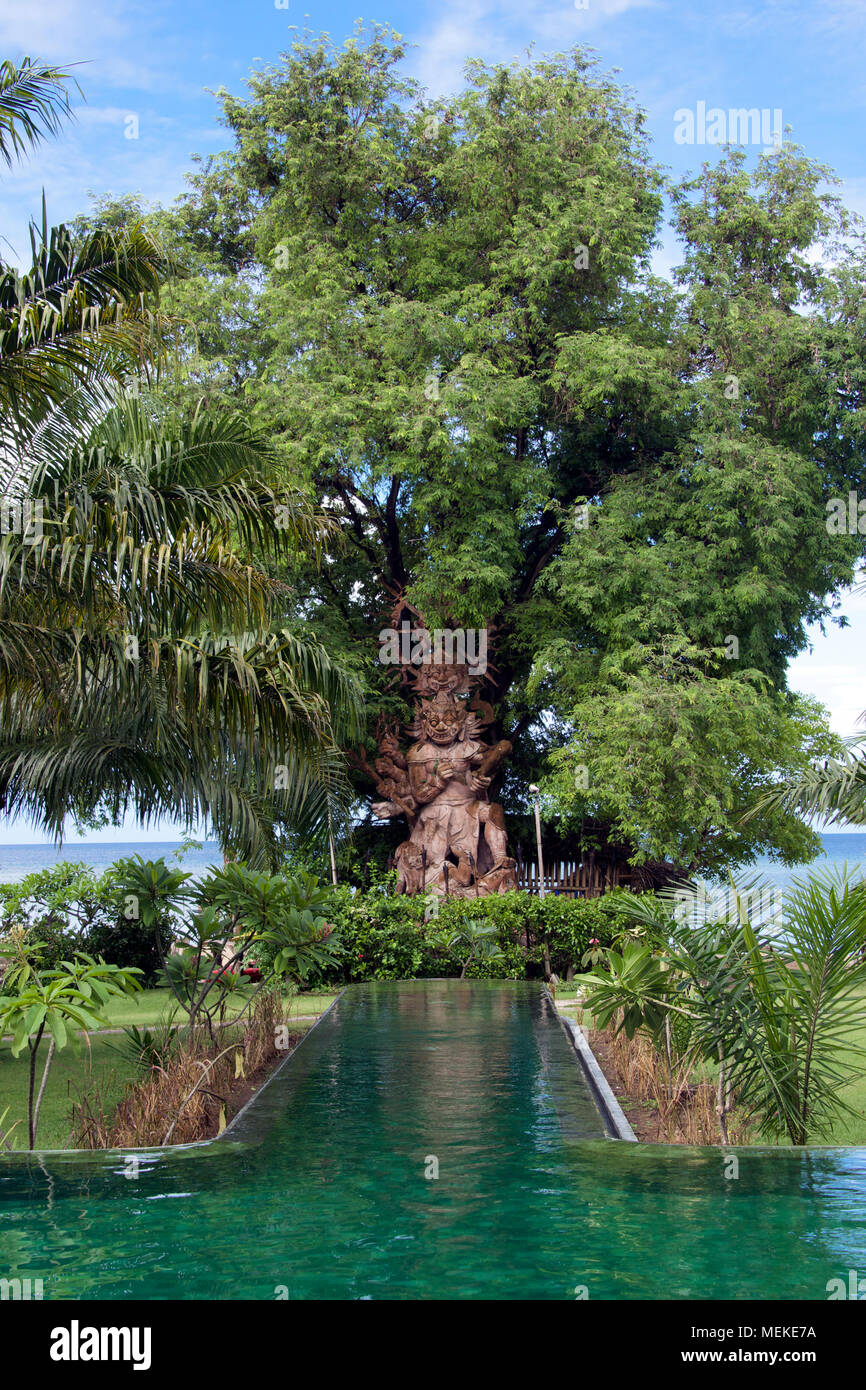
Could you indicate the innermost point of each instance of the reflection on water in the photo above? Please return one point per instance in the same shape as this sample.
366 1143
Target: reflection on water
326 1197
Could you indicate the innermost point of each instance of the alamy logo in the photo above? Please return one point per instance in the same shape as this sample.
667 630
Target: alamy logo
846 516
442 647
855 1288
20 1289
77 1343
739 126
22 518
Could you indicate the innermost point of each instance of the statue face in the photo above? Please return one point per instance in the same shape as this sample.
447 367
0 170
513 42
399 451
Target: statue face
443 721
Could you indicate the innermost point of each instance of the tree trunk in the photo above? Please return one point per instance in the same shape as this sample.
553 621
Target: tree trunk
668 1061
34 1048
45 1071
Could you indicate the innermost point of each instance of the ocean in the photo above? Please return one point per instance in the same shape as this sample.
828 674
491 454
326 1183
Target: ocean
839 849
16 861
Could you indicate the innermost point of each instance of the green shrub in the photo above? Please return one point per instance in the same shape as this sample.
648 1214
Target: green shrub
376 934
57 907
379 937
129 945
384 937
68 908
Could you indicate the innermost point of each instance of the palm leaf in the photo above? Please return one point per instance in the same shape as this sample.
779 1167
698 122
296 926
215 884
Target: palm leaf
33 105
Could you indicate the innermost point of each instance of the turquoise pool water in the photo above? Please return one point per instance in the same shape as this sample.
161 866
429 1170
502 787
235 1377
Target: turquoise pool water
328 1192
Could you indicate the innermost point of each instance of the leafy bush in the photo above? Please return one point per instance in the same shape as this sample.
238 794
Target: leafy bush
235 914
68 908
526 924
286 912
147 1048
380 937
299 925
125 943
58 907
37 1003
384 937
475 942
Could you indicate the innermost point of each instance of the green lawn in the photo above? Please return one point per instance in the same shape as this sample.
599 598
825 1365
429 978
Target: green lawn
159 1006
78 1067
73 1071
852 1129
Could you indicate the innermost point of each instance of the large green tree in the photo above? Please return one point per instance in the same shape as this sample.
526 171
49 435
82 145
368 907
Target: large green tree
444 314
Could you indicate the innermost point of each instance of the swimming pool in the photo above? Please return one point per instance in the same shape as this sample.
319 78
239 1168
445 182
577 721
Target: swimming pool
433 1139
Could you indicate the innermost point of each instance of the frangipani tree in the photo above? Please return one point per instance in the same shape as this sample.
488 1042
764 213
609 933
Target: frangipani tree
36 1003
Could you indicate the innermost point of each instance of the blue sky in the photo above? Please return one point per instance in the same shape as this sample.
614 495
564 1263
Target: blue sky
155 61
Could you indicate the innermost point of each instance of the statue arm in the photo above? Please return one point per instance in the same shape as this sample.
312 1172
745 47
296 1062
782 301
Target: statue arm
426 786
486 760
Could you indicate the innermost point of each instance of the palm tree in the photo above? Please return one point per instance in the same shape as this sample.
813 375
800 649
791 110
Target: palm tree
777 1004
143 662
83 318
33 102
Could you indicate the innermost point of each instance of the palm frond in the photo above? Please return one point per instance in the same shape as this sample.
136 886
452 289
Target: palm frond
833 791
85 310
34 102
143 664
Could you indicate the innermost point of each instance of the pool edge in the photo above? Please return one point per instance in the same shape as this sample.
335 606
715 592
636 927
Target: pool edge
609 1107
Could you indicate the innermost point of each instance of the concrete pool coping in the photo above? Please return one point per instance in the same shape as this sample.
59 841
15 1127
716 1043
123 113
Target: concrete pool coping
606 1101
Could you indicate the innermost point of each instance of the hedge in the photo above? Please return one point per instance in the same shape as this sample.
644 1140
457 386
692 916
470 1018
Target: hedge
384 937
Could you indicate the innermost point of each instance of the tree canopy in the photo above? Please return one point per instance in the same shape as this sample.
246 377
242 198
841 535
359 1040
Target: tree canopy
443 313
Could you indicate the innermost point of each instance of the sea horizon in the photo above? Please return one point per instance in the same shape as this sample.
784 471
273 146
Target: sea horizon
17 861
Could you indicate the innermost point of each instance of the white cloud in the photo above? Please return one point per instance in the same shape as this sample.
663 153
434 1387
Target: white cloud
852 194
60 33
490 29
116 116
82 32
68 169
837 17
842 17
113 42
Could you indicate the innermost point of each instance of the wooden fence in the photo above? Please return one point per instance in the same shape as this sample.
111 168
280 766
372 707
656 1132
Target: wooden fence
574 878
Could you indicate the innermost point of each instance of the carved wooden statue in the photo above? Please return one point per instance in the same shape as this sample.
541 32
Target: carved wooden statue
457 843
